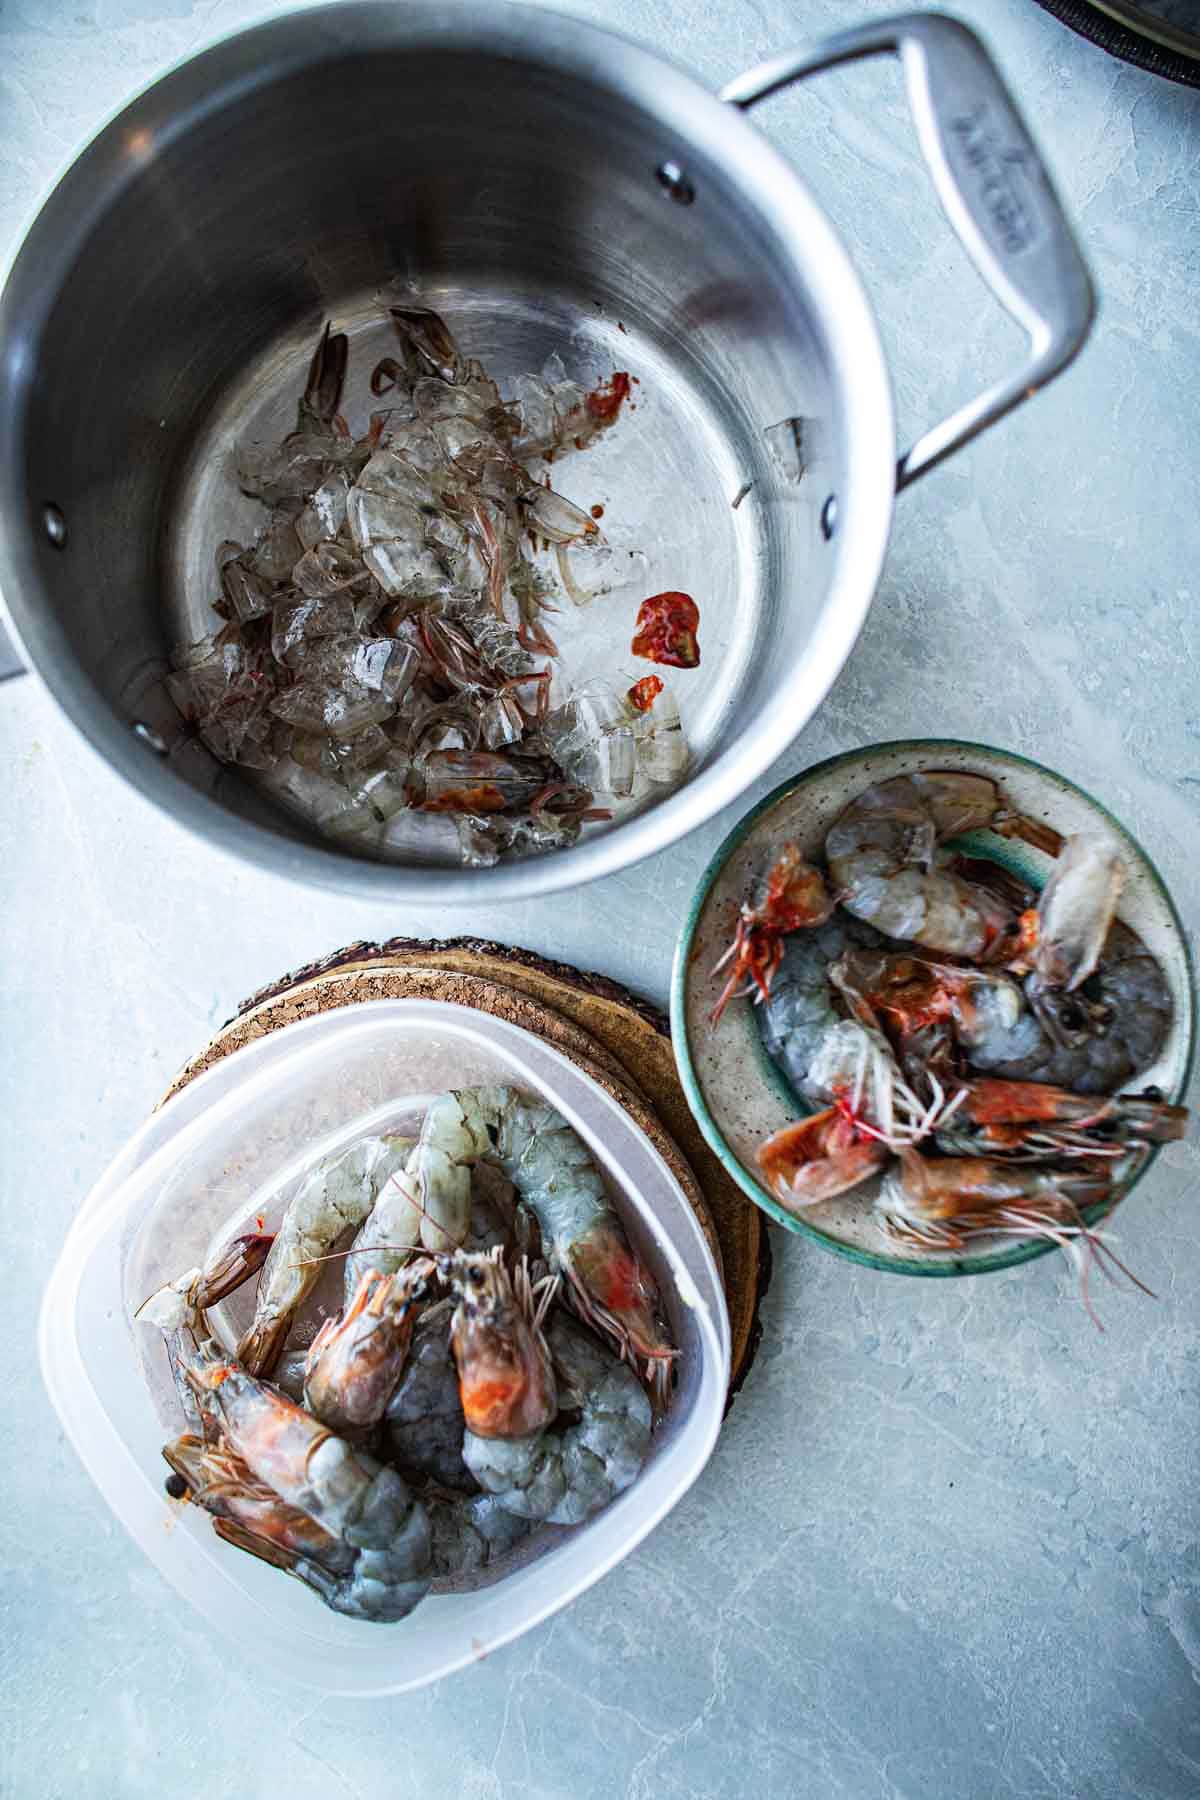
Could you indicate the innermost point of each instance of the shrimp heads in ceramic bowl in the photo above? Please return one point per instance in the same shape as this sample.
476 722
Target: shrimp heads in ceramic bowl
934 1007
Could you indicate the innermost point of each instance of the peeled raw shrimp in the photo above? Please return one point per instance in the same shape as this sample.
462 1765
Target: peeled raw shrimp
566 1472
338 1194
346 1491
799 1009
506 1382
355 1361
882 853
556 1177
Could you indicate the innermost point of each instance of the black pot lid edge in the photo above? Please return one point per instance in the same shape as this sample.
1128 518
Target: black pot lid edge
1123 42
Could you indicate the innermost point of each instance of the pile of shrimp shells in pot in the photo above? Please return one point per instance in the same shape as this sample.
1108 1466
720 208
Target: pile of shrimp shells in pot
973 1042
497 1363
385 668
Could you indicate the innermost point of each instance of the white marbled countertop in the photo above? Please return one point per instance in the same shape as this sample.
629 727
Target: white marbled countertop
947 1546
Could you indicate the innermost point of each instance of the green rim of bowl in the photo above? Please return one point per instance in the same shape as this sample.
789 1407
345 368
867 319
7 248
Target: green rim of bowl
965 1265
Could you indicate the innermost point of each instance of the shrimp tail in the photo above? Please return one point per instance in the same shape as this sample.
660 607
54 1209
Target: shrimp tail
1036 832
651 1359
326 377
263 1344
242 1538
234 1265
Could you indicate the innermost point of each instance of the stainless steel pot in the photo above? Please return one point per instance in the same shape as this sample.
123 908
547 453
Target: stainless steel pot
548 185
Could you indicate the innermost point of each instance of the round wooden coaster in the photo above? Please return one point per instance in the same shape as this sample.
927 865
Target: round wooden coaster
622 1042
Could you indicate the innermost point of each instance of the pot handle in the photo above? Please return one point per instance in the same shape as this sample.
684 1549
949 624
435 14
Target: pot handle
994 189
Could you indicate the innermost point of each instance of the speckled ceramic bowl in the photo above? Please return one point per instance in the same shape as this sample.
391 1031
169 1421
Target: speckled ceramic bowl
735 1090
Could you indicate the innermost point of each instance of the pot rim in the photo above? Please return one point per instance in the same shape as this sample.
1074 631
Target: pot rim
691 115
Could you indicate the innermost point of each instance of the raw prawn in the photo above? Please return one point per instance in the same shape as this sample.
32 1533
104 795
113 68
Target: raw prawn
221 1482
947 1204
1140 1118
1099 1037
940 1194
338 1194
1099 997
355 1361
793 897
1090 1040
556 1178
178 1307
853 1066
506 1382
567 1472
936 1010
471 1532
882 853
428 1203
424 1417
1036 1122
799 1008
344 1490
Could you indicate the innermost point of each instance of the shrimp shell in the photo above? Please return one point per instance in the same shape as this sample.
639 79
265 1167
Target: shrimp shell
506 1383
353 1497
424 1416
563 1474
356 1361
338 1194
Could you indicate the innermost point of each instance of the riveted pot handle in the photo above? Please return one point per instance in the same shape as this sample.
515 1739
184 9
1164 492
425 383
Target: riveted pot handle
993 186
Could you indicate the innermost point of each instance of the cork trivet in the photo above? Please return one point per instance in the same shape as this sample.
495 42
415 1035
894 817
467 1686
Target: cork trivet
622 1041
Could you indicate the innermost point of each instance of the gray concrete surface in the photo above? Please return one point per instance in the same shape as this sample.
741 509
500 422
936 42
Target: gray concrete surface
946 1548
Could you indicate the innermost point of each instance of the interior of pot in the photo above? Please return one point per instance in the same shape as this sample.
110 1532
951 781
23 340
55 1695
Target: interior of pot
505 169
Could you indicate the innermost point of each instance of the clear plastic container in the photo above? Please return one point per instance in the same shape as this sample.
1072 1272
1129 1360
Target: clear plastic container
230 1147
